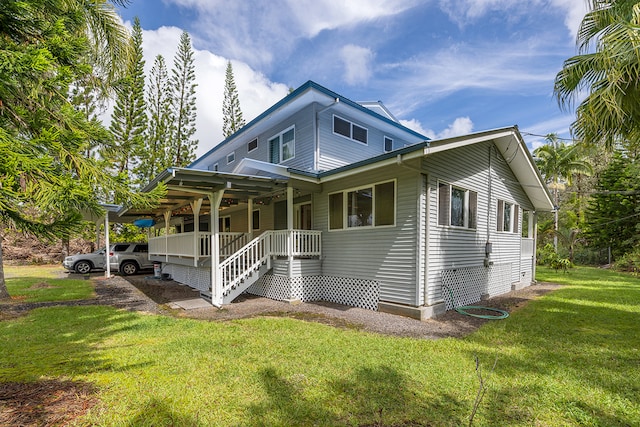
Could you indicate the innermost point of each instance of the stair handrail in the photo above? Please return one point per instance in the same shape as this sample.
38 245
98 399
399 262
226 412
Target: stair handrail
246 260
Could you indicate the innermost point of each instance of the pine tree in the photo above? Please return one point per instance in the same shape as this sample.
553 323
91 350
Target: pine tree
155 157
45 175
613 215
232 115
129 118
183 99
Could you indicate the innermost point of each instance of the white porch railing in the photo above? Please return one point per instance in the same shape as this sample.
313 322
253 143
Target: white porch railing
526 248
182 244
303 242
243 263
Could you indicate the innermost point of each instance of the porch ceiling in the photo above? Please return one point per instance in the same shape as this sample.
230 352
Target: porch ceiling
186 185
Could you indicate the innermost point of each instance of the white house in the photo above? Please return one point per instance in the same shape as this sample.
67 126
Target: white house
322 198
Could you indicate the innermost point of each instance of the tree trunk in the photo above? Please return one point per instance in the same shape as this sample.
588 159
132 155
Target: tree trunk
4 293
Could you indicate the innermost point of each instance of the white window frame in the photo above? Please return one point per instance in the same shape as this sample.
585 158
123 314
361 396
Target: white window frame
514 216
351 125
345 207
470 213
384 143
231 157
279 136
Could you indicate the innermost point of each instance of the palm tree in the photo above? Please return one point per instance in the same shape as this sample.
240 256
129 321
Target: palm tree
559 163
610 74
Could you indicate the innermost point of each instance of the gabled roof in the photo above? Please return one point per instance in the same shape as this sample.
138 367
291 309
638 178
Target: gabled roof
304 95
507 140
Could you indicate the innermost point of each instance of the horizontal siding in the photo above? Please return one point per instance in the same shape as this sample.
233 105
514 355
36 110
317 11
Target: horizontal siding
337 150
384 254
453 248
304 145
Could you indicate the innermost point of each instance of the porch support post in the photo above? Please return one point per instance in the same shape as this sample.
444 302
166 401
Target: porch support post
167 220
107 272
290 228
216 276
250 218
195 208
533 228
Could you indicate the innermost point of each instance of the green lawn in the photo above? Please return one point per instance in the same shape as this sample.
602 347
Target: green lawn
38 283
571 358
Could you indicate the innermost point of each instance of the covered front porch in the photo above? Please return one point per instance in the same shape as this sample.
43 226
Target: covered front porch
192 235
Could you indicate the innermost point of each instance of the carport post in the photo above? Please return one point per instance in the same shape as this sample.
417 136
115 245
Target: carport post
107 273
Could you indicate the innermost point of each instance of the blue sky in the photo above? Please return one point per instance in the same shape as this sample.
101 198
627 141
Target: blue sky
443 67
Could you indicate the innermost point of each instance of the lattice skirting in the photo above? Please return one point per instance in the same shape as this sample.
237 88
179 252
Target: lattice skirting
467 285
198 278
341 290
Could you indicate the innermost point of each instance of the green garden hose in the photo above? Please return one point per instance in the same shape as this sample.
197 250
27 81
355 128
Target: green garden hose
463 309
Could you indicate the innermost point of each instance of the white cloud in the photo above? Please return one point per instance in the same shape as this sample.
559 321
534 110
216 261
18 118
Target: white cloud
460 126
255 91
357 63
495 67
257 32
415 125
465 11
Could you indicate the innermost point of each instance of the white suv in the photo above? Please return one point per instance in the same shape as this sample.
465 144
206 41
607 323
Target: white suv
84 263
129 258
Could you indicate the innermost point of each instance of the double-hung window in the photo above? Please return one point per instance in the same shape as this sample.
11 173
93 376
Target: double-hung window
507 217
369 206
457 206
349 130
282 146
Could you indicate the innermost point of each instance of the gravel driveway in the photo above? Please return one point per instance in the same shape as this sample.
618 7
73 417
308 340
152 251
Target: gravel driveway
143 293
452 324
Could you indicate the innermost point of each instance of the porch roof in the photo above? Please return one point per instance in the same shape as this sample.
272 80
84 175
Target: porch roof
185 185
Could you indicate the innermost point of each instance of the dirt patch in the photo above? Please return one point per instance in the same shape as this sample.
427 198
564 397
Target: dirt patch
44 403
41 285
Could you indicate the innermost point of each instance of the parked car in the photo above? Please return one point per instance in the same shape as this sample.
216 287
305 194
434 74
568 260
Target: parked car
84 263
129 258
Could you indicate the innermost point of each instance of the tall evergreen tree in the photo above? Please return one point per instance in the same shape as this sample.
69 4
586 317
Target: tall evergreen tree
182 81
232 115
155 156
46 179
613 215
129 118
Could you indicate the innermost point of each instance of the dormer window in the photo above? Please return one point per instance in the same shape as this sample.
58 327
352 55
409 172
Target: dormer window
349 130
252 145
388 144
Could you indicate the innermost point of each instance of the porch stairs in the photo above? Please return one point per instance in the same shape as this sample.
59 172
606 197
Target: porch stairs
243 268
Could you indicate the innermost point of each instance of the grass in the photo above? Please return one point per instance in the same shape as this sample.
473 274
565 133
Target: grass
571 358
38 283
